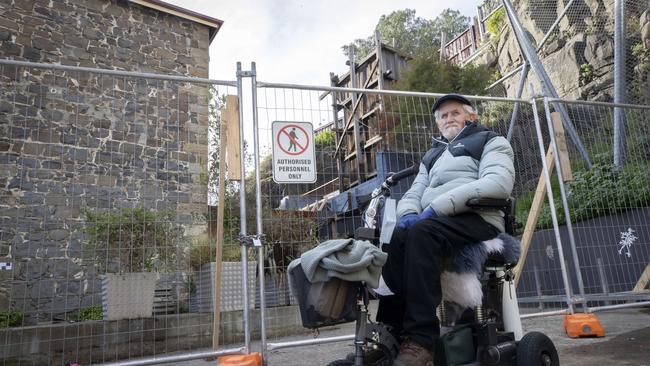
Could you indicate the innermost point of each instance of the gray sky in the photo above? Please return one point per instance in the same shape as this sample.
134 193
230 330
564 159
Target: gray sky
298 41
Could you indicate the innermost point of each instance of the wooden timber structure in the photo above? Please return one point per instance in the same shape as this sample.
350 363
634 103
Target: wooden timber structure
358 115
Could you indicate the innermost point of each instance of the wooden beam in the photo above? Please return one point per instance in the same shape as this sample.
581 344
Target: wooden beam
233 150
354 110
216 296
563 152
533 215
643 281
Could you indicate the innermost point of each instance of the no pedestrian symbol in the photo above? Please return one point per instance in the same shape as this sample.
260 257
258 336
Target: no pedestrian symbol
293 152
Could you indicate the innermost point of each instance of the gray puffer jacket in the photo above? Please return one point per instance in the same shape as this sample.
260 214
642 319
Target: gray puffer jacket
477 163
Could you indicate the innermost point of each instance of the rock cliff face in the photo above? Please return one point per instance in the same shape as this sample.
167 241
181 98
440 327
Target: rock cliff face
579 54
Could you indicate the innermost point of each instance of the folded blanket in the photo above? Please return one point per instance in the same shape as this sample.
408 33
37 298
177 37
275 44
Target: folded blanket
347 259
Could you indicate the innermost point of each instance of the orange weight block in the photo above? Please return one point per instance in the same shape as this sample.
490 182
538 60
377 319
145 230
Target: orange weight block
253 359
583 325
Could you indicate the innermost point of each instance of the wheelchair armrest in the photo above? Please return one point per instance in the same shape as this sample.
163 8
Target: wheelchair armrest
506 205
495 203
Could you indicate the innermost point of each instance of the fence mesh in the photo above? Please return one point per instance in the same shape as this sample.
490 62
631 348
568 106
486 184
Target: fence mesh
578 53
104 174
608 204
395 131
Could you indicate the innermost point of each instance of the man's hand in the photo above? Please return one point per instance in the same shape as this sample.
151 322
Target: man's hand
407 220
429 213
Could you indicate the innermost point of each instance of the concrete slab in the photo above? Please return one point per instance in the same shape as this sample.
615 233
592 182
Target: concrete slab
627 343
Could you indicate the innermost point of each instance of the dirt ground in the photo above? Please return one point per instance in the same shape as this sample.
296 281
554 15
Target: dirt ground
627 343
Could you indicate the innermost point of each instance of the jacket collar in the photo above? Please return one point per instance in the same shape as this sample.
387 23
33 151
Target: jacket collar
469 129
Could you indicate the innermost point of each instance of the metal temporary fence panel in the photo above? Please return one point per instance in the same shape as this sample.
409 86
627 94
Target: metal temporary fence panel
106 174
608 205
396 130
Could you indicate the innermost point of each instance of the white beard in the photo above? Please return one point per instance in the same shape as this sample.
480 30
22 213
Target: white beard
451 132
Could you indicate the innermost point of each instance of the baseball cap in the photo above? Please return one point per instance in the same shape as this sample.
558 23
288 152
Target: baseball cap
448 97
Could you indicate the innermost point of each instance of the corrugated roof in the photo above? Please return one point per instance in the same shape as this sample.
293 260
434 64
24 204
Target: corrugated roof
213 24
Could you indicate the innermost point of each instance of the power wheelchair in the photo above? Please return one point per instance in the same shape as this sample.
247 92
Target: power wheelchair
488 334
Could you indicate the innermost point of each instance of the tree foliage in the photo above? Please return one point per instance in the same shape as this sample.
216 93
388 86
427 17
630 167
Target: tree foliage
426 73
410 33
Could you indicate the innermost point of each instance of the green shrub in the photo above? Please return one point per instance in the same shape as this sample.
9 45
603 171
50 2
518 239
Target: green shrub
93 312
601 191
11 318
132 239
496 21
586 74
325 138
203 250
496 113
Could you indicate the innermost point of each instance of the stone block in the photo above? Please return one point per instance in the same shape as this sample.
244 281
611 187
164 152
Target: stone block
10 49
125 43
52 164
43 290
58 235
78 154
44 44
8 158
24 250
178 197
21 183
52 150
67 212
31 148
103 157
92 34
106 181
131 149
30 198
31 54
55 200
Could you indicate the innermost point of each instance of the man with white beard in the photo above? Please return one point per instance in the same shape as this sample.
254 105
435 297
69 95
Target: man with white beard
467 161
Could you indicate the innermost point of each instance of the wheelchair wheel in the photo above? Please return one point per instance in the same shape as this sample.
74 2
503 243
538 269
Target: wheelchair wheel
536 349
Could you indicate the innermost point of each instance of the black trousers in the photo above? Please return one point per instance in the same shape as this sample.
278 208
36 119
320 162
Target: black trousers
415 260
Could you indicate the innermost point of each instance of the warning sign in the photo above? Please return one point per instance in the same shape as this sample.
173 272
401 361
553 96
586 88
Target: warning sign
293 152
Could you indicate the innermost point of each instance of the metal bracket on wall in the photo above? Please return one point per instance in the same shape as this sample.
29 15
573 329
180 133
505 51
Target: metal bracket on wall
246 74
251 240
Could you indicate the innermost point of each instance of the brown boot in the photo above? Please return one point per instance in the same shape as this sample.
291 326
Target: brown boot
412 354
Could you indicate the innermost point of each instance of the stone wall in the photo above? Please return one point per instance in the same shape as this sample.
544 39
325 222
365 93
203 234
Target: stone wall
72 142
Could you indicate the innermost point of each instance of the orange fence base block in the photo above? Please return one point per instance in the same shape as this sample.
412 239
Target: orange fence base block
253 359
583 325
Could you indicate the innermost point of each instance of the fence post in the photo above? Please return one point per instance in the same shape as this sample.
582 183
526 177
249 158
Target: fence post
515 109
619 82
551 204
565 203
242 213
603 279
258 208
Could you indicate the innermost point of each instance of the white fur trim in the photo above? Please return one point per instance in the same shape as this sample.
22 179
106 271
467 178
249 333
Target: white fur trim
462 288
383 289
494 245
